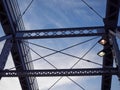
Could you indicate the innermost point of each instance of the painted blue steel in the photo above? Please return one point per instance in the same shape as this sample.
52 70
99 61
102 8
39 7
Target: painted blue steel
5 53
12 14
110 23
5 37
12 11
59 72
60 33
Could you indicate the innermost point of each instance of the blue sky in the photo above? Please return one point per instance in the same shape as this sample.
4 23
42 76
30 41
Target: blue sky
61 13
44 14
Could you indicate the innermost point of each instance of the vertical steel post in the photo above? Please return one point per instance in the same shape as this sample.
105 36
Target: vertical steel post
116 51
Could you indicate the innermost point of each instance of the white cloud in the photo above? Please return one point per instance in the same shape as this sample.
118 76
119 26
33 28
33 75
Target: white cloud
10 84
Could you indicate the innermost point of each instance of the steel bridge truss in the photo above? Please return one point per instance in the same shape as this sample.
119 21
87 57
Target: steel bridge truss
16 34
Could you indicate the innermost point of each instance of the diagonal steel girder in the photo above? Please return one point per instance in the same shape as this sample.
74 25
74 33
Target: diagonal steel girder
9 15
5 53
5 37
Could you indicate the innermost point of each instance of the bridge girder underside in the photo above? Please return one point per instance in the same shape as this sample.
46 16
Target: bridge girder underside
9 13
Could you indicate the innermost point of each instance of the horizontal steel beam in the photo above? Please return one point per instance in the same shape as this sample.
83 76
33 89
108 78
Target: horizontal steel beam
60 33
60 72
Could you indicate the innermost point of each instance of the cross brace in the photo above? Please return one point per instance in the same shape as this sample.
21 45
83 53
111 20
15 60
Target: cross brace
60 72
60 33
